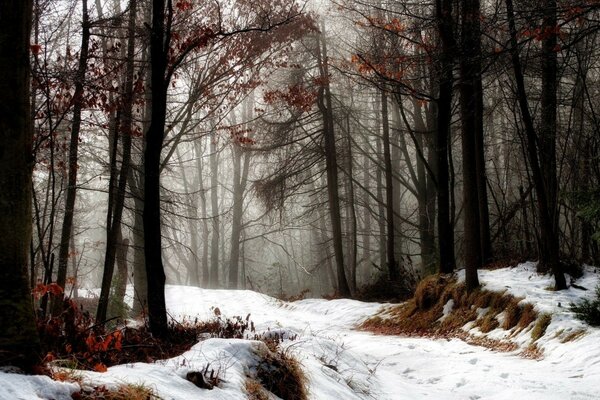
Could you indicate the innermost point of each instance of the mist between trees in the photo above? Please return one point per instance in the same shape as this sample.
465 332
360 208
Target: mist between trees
303 149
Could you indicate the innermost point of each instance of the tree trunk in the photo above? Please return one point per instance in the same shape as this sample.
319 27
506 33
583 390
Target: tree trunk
325 106
214 201
157 312
444 118
392 263
240 176
19 342
113 228
547 233
203 206
67 225
470 112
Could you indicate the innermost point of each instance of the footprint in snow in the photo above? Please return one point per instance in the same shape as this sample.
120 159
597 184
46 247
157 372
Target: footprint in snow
504 375
461 383
473 361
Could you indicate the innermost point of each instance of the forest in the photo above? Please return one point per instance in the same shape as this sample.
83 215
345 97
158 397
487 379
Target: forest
342 149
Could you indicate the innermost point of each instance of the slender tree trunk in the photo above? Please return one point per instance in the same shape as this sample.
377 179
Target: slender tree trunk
351 212
547 233
113 228
19 342
444 19
67 225
325 106
392 263
379 177
204 216
470 111
240 175
216 227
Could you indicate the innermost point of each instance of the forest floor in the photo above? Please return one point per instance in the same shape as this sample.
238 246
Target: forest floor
340 361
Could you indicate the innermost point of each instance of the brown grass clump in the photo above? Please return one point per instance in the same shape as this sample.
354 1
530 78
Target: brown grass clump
422 315
280 374
540 327
572 336
489 322
528 315
429 291
255 390
122 392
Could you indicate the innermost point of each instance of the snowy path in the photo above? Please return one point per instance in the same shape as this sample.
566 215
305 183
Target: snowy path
342 363
411 368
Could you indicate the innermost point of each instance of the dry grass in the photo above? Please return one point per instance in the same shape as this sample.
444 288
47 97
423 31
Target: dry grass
540 327
422 315
280 374
122 392
255 390
572 336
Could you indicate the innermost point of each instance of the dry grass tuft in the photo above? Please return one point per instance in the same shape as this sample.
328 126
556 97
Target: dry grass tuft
280 374
540 327
572 336
122 392
255 390
528 315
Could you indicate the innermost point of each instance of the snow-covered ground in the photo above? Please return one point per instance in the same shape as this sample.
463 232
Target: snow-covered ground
343 363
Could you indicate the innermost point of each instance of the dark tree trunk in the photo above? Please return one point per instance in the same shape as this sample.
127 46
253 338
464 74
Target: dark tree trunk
19 342
67 225
115 213
379 178
549 246
157 312
445 77
548 234
392 263
470 111
325 106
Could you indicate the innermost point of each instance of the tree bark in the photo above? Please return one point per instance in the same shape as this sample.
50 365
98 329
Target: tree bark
470 111
392 263
547 233
67 225
157 312
214 201
444 21
19 342
113 228
325 106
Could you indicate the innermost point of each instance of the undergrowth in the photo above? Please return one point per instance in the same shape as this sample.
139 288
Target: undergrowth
73 339
587 310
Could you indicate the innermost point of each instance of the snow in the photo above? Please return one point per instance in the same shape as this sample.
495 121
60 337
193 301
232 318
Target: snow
341 362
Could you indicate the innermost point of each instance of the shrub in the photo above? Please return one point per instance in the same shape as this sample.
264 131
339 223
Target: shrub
588 310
